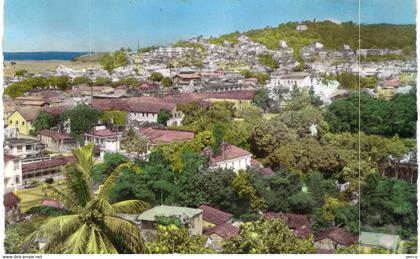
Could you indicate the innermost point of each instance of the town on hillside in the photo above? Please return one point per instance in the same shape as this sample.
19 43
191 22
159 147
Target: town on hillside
266 141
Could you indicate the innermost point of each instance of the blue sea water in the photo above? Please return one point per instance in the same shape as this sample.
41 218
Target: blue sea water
44 55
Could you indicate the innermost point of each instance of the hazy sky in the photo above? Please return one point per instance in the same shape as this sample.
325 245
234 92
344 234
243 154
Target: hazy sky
103 25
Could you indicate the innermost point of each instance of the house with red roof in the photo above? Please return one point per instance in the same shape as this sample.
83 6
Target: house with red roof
57 140
104 140
166 136
143 109
52 204
11 206
328 240
213 217
45 169
299 224
230 157
220 233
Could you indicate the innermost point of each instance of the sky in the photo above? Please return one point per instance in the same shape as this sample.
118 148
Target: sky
105 25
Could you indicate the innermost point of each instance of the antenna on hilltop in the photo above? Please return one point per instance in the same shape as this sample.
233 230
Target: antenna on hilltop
138 44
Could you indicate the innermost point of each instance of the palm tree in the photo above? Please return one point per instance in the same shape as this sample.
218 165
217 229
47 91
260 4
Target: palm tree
90 224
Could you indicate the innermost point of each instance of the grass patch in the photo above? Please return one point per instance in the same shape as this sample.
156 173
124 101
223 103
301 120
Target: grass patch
30 198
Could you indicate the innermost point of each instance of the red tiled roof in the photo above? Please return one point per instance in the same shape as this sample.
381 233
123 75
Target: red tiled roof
188 76
224 230
133 104
236 95
52 204
260 168
298 223
10 200
166 135
8 157
54 162
148 86
338 235
214 215
57 110
392 83
29 113
104 133
54 134
266 171
228 152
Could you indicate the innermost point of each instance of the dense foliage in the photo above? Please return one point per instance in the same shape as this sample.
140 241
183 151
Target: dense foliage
267 237
109 61
377 116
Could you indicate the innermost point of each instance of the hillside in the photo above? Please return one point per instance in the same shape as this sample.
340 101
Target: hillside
90 57
332 35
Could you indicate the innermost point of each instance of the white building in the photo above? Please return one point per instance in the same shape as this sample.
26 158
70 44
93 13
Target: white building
299 79
12 173
230 157
110 146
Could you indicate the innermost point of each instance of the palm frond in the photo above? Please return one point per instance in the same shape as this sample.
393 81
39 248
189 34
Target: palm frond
130 206
101 205
99 244
112 177
49 211
84 160
129 232
55 229
76 186
84 157
76 243
104 244
65 198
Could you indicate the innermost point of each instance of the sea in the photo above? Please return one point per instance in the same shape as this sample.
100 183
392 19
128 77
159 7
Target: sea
44 55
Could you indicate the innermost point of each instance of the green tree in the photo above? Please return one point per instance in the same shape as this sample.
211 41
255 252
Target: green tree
261 99
315 99
262 77
167 82
163 117
156 76
268 60
102 81
299 99
242 186
109 61
14 237
411 246
82 118
172 239
81 80
389 202
92 225
43 121
267 237
270 135
61 82
115 117
21 72
218 136
132 141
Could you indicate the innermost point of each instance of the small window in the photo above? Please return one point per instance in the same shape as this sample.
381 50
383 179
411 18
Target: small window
23 123
11 122
17 180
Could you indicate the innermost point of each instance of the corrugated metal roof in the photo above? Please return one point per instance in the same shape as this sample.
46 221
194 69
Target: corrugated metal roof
387 241
168 211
